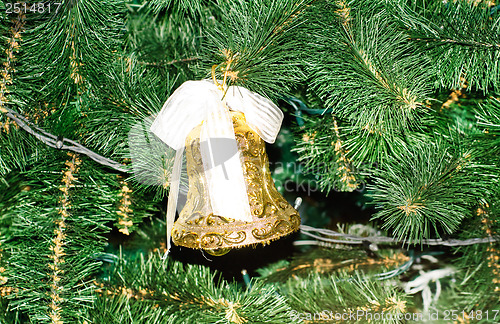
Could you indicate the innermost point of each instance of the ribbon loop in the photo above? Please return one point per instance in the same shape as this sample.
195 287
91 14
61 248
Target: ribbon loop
185 109
262 115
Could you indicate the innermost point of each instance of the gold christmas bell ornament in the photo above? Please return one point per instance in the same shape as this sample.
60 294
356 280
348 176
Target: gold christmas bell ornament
231 200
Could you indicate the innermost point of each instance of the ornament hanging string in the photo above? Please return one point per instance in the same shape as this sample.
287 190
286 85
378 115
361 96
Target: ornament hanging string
222 87
207 102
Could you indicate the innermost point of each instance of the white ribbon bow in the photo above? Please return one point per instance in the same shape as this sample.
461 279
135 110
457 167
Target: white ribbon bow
195 102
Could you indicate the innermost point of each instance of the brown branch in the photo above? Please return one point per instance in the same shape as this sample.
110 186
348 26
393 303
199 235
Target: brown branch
189 59
459 42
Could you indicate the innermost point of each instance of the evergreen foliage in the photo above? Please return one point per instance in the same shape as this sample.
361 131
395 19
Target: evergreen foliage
254 42
400 96
426 190
461 39
170 292
57 227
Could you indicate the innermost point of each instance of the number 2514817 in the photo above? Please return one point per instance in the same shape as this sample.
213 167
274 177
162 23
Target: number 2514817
37 7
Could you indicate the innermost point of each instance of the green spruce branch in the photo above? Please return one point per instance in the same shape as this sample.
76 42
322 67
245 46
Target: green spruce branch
462 38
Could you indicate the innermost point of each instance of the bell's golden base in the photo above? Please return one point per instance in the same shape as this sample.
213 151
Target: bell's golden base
272 216
218 252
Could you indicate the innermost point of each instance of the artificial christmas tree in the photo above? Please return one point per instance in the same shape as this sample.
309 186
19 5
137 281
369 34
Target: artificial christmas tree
390 139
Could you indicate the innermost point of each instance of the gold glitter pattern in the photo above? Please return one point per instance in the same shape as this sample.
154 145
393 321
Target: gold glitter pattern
273 217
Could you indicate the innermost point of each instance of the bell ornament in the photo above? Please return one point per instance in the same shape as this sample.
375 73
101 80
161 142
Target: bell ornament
272 216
